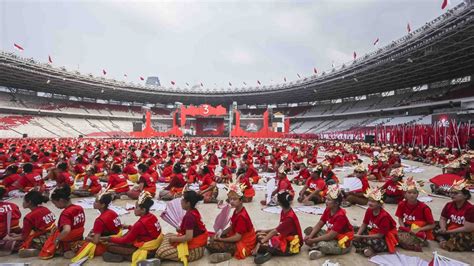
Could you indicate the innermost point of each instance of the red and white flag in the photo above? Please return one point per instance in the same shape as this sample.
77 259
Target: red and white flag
444 4
104 72
18 47
258 81
354 55
376 41
142 78
408 27
50 60
315 70
173 83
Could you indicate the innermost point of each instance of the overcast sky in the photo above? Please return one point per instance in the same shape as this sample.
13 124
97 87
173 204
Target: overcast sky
210 42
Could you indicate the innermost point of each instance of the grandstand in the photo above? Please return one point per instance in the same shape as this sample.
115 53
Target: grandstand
404 82
407 106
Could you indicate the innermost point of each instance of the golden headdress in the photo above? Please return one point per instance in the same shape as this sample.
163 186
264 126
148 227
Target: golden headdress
90 168
102 193
410 184
281 169
235 188
325 163
459 185
143 196
360 168
454 164
374 194
383 158
397 172
318 168
333 191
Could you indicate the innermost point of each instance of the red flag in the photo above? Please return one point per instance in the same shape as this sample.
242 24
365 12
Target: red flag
354 55
444 4
18 47
408 28
284 79
49 59
230 84
315 70
104 72
173 83
258 81
376 41
141 78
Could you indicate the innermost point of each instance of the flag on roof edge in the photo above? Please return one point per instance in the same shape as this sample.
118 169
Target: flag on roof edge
18 47
444 4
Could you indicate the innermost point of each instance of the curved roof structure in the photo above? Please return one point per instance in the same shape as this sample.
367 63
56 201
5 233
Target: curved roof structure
441 49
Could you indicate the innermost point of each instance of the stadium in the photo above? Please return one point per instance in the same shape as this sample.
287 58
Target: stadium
356 139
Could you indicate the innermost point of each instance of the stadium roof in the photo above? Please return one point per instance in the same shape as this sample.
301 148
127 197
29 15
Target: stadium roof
442 49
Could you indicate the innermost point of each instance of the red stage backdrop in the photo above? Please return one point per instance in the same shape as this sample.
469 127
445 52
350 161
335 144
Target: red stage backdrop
201 110
210 126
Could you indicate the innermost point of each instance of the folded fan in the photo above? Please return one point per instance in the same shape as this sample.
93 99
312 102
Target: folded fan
173 213
351 184
439 260
222 219
397 259
271 185
445 179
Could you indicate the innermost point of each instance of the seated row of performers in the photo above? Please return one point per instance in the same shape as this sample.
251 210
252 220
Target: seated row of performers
40 236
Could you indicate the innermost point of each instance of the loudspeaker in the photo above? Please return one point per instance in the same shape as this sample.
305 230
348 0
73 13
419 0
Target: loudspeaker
471 143
369 139
25 135
270 116
137 126
178 118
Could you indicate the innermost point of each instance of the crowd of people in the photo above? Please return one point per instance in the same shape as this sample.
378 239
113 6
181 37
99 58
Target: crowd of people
191 168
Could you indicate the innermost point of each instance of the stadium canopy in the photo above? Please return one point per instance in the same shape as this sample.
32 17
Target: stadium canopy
442 49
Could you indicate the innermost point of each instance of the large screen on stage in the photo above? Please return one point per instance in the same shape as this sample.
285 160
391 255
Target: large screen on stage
162 125
251 125
210 126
